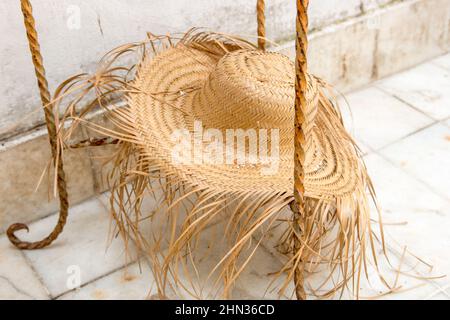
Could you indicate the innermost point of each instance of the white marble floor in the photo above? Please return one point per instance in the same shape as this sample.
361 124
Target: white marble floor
402 124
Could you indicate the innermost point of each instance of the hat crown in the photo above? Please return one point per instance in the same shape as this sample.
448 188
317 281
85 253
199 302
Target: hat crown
248 89
256 75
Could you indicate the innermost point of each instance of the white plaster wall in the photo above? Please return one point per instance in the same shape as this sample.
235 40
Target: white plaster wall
70 47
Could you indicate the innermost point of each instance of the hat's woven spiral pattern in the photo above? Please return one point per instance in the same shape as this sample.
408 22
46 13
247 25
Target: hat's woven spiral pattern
243 89
225 83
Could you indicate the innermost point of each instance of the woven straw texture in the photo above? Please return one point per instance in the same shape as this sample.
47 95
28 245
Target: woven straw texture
243 89
226 83
209 81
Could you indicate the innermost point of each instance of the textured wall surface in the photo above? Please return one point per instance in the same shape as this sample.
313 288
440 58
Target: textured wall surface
75 33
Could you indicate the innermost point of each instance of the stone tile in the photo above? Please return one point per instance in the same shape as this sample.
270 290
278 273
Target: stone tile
199 282
261 279
22 167
100 156
373 288
258 280
84 246
426 155
388 179
441 293
327 11
134 282
101 166
151 225
374 4
414 216
18 281
377 119
386 42
447 123
334 57
404 276
425 87
410 220
407 36
443 61
154 220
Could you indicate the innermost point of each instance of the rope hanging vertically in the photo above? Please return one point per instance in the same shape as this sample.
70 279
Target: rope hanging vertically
300 139
261 19
52 133
298 207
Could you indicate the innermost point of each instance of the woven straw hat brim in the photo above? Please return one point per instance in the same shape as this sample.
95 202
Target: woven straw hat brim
226 83
165 102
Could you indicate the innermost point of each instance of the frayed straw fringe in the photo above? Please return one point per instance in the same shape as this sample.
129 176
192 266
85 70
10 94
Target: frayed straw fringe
337 234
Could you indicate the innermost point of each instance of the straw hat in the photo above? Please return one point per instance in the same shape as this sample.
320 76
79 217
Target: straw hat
219 94
237 89
187 106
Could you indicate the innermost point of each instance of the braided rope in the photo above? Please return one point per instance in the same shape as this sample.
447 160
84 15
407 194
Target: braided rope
51 128
301 84
261 18
94 142
300 140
